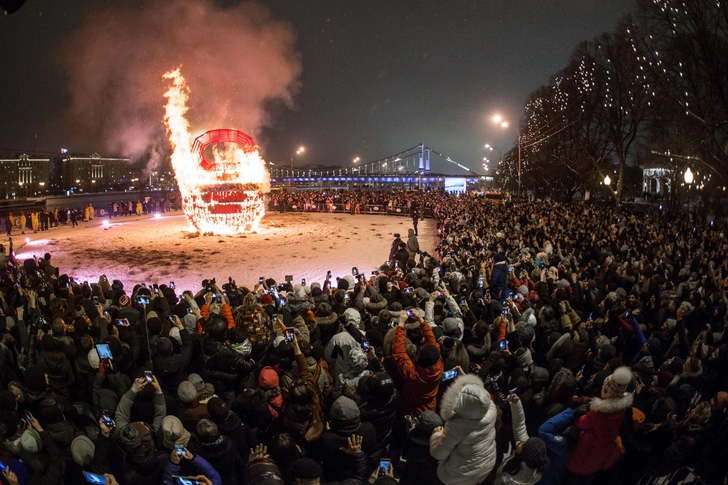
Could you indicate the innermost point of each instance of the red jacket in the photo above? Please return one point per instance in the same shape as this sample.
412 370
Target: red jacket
420 383
601 428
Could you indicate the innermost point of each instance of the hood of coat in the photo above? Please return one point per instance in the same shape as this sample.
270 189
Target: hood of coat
466 398
62 433
610 406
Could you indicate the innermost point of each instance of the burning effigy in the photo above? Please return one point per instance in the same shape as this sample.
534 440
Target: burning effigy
220 174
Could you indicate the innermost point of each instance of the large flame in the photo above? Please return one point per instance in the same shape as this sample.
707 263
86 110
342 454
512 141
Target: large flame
223 196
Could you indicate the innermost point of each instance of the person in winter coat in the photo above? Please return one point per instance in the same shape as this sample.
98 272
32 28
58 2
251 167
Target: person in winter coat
395 246
560 436
345 422
465 447
379 407
219 451
268 382
337 352
169 367
413 246
226 364
176 462
499 276
422 378
229 424
601 426
421 466
346 383
530 456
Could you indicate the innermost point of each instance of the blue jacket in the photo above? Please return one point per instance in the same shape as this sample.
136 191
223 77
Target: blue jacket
559 445
499 279
202 465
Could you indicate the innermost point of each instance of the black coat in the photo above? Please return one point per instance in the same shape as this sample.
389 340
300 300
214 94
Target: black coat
242 436
223 456
336 464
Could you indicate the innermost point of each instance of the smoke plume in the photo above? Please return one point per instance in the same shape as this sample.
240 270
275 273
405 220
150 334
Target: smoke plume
234 61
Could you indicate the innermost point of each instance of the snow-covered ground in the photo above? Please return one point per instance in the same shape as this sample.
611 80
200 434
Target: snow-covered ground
159 250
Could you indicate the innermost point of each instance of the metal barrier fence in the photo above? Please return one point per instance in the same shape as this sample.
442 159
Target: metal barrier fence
382 209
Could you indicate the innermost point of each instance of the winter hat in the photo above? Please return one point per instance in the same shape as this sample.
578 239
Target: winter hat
164 347
534 453
564 284
352 316
671 324
450 327
395 308
421 294
151 315
268 378
524 358
189 321
532 320
266 299
345 415
82 450
350 279
523 290
615 385
299 293
124 302
174 333
128 438
526 334
197 380
687 307
186 392
323 310
218 409
174 432
306 469
30 441
342 284
420 434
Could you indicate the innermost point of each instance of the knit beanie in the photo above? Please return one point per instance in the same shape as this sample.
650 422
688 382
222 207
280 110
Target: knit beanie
197 381
268 378
164 347
174 432
523 290
30 441
82 450
186 392
534 453
615 385
218 410
306 469
420 434
526 334
128 438
124 301
345 416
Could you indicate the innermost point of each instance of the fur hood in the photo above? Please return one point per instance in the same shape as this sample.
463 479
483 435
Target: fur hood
610 406
465 398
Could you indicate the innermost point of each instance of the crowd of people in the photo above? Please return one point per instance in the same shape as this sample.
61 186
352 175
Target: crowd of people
34 221
541 343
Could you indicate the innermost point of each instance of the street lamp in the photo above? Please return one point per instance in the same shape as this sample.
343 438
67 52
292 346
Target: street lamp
607 180
688 176
354 162
504 124
491 148
300 150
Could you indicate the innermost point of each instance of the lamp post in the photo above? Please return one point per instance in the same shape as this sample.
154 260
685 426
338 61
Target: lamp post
300 150
688 177
504 124
353 162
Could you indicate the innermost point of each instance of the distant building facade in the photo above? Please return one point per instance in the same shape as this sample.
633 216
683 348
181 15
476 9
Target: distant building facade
93 173
24 176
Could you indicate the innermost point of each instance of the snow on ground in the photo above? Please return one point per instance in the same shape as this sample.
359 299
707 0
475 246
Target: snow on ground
159 250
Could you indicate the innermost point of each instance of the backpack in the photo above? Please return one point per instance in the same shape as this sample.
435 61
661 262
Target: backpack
254 320
321 366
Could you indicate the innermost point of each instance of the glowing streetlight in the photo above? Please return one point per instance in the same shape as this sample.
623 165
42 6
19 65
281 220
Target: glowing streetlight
300 150
607 180
498 119
688 176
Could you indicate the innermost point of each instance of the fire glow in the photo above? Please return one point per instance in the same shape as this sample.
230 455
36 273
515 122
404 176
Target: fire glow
220 174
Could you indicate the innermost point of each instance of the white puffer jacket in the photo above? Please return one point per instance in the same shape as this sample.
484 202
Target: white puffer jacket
465 448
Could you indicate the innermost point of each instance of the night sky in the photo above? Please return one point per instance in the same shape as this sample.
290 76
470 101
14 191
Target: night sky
377 76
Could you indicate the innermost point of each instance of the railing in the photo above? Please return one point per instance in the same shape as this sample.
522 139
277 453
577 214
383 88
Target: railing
381 209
